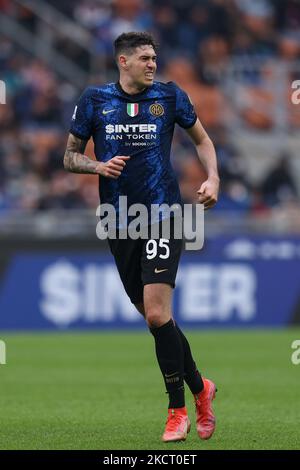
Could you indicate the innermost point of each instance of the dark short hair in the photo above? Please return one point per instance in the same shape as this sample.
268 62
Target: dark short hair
127 42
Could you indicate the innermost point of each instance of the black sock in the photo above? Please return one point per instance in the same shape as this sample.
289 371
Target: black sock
170 356
191 374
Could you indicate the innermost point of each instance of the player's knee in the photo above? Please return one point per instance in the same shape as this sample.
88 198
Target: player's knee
155 317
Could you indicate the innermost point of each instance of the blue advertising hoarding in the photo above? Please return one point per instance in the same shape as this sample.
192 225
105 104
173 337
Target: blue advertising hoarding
232 282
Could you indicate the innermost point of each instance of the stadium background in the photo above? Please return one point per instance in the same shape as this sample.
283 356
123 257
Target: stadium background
237 59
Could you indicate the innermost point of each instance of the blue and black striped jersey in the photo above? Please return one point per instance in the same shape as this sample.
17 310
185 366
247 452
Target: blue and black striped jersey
141 126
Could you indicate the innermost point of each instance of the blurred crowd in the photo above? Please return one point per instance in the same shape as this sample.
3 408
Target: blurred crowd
200 41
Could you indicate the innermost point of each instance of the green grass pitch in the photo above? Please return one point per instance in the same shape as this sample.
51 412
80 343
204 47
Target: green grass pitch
105 391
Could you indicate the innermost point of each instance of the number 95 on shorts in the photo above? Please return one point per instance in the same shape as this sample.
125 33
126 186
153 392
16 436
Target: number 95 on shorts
146 261
160 259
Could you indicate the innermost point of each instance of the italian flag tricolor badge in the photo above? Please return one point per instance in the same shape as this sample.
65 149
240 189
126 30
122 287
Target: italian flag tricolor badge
132 109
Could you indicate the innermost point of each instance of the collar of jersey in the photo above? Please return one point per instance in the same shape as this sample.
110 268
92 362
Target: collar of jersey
135 95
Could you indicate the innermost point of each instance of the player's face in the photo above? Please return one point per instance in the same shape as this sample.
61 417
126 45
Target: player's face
141 66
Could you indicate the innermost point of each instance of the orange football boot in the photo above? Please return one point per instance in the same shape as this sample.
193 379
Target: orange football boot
205 419
177 426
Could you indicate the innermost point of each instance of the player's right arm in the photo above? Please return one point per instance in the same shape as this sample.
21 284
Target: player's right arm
81 129
76 162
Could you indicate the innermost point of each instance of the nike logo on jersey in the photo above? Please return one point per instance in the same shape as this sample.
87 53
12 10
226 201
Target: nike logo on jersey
157 271
108 111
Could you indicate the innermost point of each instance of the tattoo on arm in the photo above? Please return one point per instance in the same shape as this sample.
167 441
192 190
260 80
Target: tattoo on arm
74 160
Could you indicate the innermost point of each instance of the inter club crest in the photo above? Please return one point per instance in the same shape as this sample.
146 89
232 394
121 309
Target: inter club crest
156 109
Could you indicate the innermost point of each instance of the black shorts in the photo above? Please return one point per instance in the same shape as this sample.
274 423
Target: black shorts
146 261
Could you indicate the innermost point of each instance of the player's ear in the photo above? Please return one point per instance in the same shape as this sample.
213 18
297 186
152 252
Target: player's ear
122 62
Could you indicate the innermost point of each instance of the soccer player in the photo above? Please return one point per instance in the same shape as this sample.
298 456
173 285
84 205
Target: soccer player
132 124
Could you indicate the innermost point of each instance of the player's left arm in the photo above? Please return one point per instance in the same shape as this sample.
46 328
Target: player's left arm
209 190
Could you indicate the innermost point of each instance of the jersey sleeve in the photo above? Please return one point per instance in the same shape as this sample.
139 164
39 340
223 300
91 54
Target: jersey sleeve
82 119
185 114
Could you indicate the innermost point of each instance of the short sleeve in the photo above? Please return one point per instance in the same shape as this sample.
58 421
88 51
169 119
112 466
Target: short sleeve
82 119
185 114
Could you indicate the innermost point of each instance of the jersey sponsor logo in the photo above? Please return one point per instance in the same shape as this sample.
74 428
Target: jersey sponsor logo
142 134
132 109
156 109
128 128
107 111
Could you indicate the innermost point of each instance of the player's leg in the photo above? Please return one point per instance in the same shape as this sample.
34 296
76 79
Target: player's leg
203 390
127 254
159 265
169 352
192 376
168 346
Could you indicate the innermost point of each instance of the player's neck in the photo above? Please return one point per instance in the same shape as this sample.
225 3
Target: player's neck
129 87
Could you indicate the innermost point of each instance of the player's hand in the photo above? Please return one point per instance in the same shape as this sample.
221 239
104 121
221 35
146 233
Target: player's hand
208 193
113 167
